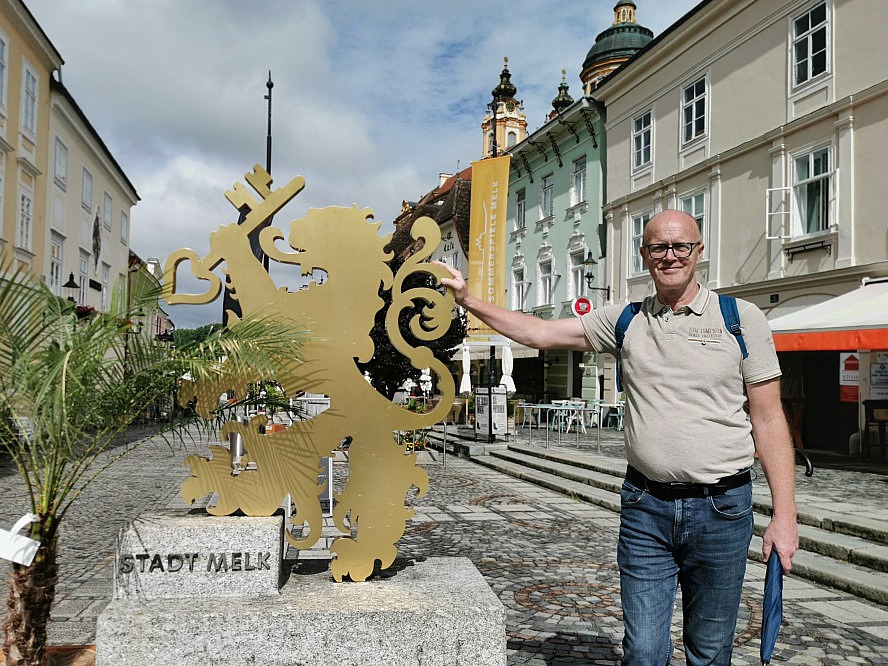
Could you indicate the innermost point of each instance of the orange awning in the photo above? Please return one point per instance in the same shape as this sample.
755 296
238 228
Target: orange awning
852 321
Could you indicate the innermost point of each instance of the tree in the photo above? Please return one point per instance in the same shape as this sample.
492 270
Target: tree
69 387
188 336
389 369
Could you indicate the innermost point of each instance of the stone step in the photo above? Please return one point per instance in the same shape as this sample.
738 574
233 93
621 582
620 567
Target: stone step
848 555
837 574
569 487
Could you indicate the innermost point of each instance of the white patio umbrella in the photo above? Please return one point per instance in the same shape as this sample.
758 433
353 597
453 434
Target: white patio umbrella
465 384
506 380
425 381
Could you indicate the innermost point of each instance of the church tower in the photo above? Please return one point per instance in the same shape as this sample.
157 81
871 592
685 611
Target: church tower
562 99
505 119
614 46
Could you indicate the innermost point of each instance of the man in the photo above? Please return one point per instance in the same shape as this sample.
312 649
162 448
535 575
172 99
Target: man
697 413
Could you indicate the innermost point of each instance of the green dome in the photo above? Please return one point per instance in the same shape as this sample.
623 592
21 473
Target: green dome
619 41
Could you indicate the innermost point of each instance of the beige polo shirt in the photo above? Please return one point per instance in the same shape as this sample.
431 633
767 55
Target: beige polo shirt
684 375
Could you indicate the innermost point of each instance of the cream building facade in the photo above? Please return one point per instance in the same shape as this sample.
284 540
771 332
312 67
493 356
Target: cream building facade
768 122
65 202
27 62
89 203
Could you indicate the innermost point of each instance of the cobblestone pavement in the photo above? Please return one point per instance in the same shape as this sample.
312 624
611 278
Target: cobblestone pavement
549 558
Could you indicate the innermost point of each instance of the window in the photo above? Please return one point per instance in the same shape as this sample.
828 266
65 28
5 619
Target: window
693 111
29 102
578 181
577 275
547 203
106 212
811 188
4 63
84 278
546 288
55 265
454 260
641 140
26 220
511 139
639 222
60 174
106 287
809 44
519 289
695 206
86 190
124 228
521 209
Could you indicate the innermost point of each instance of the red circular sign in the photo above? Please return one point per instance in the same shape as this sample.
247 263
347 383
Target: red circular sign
580 306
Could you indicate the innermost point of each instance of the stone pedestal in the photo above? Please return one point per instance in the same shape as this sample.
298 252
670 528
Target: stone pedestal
439 611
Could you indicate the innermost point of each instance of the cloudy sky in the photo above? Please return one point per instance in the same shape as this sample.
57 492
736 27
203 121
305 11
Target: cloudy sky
371 99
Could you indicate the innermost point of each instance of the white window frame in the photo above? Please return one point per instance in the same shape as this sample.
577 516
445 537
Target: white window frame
578 181
643 140
124 228
107 207
521 209
825 179
639 222
56 261
519 289
804 37
106 286
694 204
547 196
83 278
697 104
4 70
24 237
577 274
86 187
455 260
60 164
30 97
546 283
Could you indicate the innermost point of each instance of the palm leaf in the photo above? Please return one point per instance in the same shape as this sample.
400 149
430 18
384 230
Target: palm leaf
69 387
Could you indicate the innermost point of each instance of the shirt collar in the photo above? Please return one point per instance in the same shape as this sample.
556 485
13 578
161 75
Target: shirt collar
696 306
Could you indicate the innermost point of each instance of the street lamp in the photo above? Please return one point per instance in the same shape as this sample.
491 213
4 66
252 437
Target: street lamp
590 263
71 287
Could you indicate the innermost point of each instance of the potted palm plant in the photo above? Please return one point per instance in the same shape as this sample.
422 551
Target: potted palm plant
69 387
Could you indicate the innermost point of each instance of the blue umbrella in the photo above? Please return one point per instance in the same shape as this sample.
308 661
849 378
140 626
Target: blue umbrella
772 606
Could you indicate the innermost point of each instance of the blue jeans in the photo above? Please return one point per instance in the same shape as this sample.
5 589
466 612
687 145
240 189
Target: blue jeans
698 543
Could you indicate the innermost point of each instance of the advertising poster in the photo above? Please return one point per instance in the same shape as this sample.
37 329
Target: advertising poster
849 377
879 377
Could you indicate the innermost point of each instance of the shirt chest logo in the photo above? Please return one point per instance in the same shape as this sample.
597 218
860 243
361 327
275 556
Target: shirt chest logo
705 334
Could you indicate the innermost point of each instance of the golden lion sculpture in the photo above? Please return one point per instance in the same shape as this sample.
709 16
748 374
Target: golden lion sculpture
338 316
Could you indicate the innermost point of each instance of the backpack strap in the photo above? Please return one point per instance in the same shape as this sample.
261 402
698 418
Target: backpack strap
623 322
731 315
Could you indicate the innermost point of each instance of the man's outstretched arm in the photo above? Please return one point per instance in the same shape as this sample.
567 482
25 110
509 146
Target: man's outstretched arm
518 326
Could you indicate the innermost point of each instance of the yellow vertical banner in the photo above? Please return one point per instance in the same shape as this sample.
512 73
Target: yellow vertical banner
487 236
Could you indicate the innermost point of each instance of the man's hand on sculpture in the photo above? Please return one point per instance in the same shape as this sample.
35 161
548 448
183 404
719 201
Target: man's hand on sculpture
456 283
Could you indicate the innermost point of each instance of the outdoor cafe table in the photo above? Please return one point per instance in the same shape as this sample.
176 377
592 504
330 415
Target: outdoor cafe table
557 414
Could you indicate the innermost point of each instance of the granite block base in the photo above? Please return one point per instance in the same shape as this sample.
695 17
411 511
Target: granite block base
439 612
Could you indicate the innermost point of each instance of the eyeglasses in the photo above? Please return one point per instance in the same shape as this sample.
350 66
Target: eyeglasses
679 250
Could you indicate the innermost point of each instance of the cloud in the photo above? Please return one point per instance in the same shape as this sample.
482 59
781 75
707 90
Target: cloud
371 100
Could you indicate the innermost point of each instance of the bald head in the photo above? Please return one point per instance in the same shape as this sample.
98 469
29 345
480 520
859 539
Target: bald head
680 225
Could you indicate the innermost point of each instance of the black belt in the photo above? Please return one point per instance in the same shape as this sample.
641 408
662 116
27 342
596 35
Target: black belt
682 490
